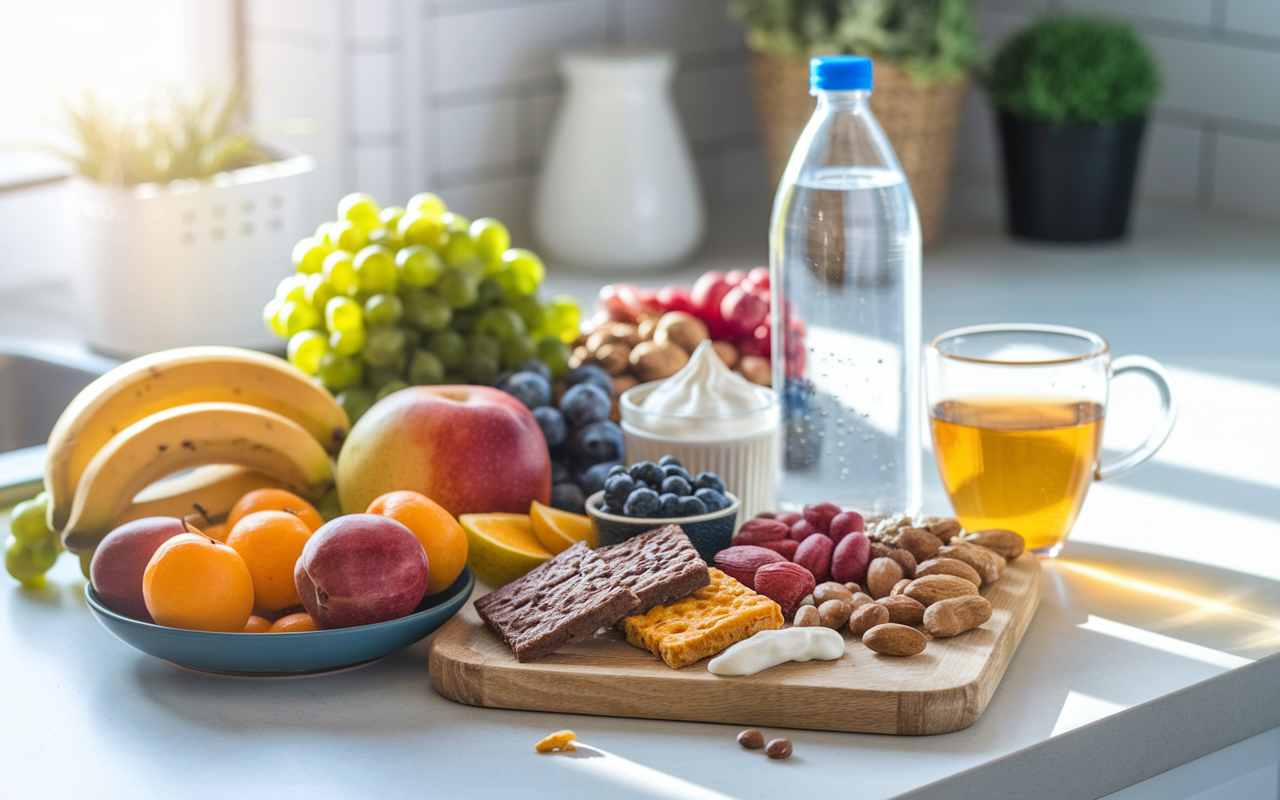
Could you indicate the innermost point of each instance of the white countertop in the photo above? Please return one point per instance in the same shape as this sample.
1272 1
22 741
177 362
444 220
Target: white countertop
1155 642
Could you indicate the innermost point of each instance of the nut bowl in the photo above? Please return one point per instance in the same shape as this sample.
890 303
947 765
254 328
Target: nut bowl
710 532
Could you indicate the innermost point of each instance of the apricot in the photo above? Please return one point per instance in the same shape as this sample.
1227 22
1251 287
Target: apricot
257 624
443 539
274 500
270 543
199 584
294 623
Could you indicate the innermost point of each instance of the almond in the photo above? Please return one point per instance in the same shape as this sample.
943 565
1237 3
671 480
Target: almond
932 588
850 558
1006 543
882 574
831 590
957 615
891 639
859 599
814 554
903 557
866 617
834 613
755 531
785 584
986 562
943 528
903 610
949 566
899 587
921 544
741 563
807 617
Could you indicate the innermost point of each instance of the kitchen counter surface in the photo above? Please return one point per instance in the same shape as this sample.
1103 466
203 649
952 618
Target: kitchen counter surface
1155 643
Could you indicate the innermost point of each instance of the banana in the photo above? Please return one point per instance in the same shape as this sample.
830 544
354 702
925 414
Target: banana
210 490
170 378
192 435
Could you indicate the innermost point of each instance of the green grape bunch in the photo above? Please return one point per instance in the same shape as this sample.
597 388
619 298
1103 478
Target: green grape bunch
32 548
384 298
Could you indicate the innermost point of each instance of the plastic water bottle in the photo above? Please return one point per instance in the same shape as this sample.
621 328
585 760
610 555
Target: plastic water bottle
844 260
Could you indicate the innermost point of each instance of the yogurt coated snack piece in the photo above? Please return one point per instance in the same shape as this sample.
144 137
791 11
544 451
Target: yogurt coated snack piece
770 648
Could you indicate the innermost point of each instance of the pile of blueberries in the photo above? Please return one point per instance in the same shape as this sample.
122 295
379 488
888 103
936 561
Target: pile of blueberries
659 490
584 443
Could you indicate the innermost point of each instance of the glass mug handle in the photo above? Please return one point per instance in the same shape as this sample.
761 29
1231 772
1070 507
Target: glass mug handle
1158 375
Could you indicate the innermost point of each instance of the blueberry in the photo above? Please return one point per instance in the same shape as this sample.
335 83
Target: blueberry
713 500
597 443
592 479
676 469
690 507
617 469
534 365
584 404
648 472
674 484
617 488
529 388
642 503
553 426
559 473
568 497
592 374
709 480
669 461
670 505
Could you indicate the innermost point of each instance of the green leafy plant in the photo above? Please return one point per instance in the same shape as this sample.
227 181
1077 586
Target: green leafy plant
1072 70
170 136
932 39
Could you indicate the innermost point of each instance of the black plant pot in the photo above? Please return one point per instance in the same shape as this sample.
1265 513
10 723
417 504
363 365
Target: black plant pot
1071 183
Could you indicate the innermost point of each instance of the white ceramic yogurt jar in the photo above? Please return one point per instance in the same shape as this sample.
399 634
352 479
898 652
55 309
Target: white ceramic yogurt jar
713 420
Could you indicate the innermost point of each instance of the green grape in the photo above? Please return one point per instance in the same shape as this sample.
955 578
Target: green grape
390 216
481 369
482 344
460 250
340 271
322 232
337 371
449 347
527 270
387 237
459 289
517 349
384 346
391 386
377 376
422 227
420 266
464 319
296 316
427 202
27 521
343 314
292 288
306 349
346 235
455 223
504 323
491 238
425 368
564 317
555 354
271 316
489 293
412 338
309 253
318 291
359 208
348 343
355 401
20 562
375 269
383 309
427 311
529 309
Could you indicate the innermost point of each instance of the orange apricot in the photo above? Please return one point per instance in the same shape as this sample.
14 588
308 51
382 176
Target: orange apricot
199 584
274 500
270 543
294 623
443 539
257 624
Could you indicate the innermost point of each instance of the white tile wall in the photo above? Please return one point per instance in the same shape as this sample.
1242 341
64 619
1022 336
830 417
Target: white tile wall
1254 16
1194 12
1168 172
1246 177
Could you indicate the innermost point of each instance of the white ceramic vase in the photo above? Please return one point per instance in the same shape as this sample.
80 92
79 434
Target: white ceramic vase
618 189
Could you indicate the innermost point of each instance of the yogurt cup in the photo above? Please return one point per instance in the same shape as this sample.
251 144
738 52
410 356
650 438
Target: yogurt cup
728 426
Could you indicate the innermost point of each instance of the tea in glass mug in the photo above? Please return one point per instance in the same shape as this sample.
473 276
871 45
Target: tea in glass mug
1017 413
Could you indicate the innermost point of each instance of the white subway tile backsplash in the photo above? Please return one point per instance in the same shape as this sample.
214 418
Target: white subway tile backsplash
478 135
317 18
734 176
1169 171
1193 12
977 146
1219 80
1254 16
512 45
714 102
373 20
508 199
373 84
375 172
1246 176
687 26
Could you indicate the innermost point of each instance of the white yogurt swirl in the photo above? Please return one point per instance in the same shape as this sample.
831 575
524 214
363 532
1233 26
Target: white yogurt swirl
770 648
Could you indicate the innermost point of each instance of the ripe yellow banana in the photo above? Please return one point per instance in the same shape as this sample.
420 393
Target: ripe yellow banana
160 381
192 435
211 490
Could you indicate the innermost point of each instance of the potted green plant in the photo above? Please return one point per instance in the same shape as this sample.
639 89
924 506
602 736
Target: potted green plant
923 51
178 218
1071 95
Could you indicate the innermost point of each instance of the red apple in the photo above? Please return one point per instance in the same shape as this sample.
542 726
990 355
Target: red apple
472 449
360 569
674 298
121 560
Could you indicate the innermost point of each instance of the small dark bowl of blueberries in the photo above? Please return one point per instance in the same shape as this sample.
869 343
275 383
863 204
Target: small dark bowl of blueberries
646 495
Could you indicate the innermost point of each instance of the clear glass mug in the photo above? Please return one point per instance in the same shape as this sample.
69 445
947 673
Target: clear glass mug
1016 412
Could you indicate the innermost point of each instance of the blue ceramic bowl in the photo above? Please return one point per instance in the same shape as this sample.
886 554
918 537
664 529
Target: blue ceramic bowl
285 653
710 533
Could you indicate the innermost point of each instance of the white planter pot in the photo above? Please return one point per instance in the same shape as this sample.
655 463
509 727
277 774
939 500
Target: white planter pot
193 262
618 190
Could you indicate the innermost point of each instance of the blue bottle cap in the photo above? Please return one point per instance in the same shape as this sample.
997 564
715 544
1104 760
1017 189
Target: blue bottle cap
839 74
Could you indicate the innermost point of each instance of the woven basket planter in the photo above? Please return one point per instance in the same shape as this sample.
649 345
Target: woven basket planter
920 121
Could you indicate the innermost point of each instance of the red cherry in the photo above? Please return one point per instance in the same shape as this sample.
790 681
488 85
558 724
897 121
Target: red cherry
735 276
742 310
674 298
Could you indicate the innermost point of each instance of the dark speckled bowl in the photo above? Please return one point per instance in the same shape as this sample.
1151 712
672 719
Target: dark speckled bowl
710 533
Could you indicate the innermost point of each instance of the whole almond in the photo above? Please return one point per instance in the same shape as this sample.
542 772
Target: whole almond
866 617
882 574
855 587
807 617
949 566
957 615
741 562
921 544
903 610
834 613
785 584
891 639
1008 544
859 599
831 590
903 557
932 588
987 562
808 600
899 587
943 528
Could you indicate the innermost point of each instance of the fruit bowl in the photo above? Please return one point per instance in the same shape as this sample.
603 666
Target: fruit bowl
710 532
285 653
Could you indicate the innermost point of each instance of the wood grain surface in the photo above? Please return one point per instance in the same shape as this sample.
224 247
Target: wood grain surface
943 689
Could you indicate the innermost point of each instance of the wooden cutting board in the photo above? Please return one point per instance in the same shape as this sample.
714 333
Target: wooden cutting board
944 689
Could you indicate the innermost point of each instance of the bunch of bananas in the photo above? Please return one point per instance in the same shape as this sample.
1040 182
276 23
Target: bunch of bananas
230 420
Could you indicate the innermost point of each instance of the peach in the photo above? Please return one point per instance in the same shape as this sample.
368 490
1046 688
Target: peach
121 560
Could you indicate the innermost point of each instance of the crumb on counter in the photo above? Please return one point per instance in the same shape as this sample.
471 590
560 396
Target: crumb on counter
560 740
